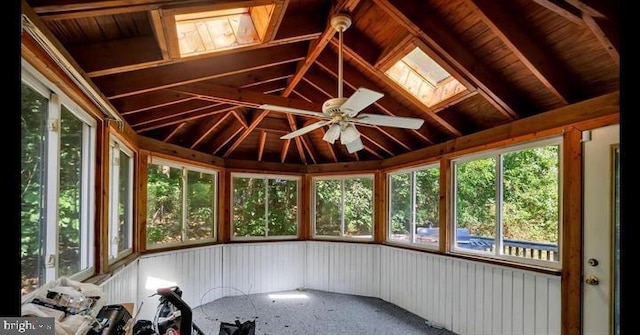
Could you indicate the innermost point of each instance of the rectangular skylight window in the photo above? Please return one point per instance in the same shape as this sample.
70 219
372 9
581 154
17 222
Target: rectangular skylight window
212 31
421 76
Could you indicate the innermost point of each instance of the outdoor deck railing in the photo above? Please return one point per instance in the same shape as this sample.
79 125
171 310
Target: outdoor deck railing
525 249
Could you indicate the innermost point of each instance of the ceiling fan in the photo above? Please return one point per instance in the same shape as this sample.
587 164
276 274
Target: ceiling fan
342 114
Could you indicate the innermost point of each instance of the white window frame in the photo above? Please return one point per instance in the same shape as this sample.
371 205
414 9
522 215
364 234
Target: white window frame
184 167
342 179
497 155
116 146
297 179
57 99
412 237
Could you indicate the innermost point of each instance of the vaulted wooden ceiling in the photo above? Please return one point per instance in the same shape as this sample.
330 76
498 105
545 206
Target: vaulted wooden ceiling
517 58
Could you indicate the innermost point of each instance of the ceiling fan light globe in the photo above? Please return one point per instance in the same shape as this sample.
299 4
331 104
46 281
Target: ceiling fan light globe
332 134
349 134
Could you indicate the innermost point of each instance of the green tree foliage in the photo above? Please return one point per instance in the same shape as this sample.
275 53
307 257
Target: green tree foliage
164 204
350 200
32 173
265 206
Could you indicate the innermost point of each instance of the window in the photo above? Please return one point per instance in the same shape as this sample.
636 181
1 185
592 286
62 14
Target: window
414 199
423 77
120 199
57 184
218 28
264 206
507 204
181 204
343 207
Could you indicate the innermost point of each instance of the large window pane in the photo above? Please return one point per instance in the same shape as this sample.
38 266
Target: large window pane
32 168
427 206
344 207
70 201
249 202
400 207
328 197
283 207
125 215
164 204
358 207
264 207
475 203
201 206
530 202
508 204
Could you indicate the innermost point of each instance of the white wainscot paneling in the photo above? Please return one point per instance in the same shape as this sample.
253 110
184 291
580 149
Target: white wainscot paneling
122 286
470 297
197 271
348 268
263 267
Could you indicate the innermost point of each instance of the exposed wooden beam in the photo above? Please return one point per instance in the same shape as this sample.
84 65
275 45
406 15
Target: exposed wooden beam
149 101
431 30
155 18
223 137
293 126
240 117
173 133
607 35
590 8
563 9
185 117
309 150
285 150
246 98
543 65
84 8
159 77
245 133
169 111
204 128
261 144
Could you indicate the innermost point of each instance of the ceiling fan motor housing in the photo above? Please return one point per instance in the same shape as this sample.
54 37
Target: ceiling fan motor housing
332 106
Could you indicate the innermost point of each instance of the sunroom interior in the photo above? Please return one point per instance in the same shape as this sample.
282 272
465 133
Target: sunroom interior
459 159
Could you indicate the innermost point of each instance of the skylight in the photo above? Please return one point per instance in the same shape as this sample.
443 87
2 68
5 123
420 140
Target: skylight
217 30
424 78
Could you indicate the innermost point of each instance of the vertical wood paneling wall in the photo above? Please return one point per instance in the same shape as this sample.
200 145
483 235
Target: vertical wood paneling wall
263 267
470 297
122 286
343 268
463 296
197 271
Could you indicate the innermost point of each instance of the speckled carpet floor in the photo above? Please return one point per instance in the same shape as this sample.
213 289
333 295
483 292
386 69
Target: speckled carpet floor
311 312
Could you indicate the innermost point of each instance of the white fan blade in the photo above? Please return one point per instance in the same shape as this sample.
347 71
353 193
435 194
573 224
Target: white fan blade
304 130
360 99
354 145
292 110
389 121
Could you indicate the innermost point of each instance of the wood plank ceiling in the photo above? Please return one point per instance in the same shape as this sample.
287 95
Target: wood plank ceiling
516 58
